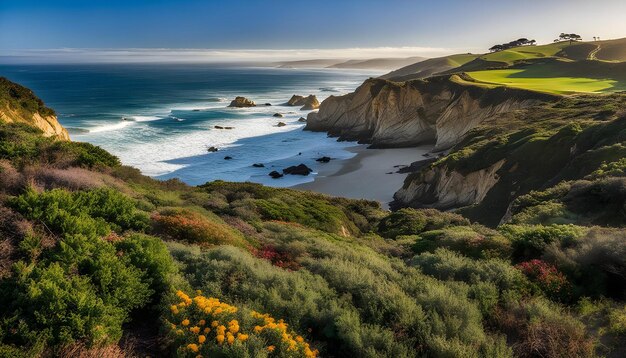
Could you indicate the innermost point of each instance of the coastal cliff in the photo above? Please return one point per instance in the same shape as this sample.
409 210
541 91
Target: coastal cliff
19 104
439 110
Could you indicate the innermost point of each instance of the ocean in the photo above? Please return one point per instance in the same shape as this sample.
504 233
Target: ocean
161 118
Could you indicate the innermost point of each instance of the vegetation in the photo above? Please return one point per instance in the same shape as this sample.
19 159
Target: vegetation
98 260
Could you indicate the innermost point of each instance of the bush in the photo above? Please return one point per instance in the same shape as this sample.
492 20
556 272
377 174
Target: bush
473 241
192 227
530 242
412 222
548 278
205 326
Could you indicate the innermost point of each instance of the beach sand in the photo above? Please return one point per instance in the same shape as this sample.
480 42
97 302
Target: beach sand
364 176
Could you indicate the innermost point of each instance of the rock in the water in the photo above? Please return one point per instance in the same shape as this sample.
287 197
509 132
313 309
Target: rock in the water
275 175
307 103
323 159
301 119
195 110
281 124
258 165
229 127
219 127
228 157
298 170
268 104
242 102
278 115
212 149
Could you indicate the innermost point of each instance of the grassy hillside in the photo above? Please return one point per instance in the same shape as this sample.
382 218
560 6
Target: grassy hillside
558 68
99 260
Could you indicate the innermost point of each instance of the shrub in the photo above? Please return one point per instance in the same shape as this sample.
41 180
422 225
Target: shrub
539 328
475 241
412 221
91 213
547 277
192 227
205 326
531 241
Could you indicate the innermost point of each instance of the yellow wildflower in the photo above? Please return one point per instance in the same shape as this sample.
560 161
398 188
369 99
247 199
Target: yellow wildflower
207 330
271 348
242 337
193 347
174 309
219 338
299 339
202 322
258 329
185 322
201 339
195 329
215 324
230 338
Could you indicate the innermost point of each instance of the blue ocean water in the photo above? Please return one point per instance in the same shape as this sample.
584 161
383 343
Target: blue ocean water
161 118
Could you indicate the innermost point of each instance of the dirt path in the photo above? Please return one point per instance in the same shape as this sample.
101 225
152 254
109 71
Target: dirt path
592 54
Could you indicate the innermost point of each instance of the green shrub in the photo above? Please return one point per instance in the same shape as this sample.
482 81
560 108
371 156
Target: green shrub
412 222
530 242
473 241
91 213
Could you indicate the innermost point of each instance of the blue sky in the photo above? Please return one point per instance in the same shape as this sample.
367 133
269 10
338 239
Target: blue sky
314 24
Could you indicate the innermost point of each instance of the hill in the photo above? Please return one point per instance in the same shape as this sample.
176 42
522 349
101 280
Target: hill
429 67
378 63
99 260
18 104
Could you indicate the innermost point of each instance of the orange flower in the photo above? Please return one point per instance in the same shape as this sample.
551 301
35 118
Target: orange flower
206 330
242 337
193 347
202 322
220 338
201 339
185 322
230 338
195 329
271 348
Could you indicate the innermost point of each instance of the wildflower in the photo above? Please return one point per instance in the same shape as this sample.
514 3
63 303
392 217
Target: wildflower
179 332
258 329
185 322
206 330
219 338
201 339
299 339
174 309
198 292
271 348
230 338
195 329
202 322
215 324
242 337
193 347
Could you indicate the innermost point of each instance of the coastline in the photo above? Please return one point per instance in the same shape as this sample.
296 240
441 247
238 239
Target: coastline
365 175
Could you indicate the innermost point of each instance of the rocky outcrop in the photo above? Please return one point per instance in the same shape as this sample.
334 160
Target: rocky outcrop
439 110
300 169
308 103
19 104
242 102
441 188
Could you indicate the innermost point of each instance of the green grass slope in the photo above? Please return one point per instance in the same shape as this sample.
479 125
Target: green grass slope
429 67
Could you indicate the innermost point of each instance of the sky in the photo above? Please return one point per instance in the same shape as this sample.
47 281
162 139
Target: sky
137 30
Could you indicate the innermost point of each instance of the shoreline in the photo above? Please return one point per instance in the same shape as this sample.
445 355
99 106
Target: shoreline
367 174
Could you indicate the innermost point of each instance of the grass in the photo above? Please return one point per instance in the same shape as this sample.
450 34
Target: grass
526 52
557 85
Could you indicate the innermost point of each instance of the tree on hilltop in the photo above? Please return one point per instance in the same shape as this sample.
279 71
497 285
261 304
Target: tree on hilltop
568 37
516 43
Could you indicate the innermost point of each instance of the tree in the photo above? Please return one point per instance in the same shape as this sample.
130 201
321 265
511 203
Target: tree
569 37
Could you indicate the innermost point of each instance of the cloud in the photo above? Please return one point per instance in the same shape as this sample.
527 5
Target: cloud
155 55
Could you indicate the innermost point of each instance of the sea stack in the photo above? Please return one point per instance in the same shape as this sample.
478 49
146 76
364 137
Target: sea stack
242 102
307 103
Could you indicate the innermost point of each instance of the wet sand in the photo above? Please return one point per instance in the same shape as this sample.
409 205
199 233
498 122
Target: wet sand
365 176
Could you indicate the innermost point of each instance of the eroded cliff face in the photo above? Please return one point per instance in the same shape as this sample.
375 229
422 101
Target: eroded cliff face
438 110
442 188
48 124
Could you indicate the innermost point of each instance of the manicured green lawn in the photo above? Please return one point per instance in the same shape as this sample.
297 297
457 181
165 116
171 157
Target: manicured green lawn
558 85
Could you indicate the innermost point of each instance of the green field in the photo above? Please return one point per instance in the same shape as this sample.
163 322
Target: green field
526 53
519 78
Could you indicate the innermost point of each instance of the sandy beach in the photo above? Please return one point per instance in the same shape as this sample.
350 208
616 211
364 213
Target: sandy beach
366 175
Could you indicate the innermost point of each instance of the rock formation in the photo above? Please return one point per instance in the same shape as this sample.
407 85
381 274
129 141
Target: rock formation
300 169
275 175
20 105
240 102
307 103
281 124
439 110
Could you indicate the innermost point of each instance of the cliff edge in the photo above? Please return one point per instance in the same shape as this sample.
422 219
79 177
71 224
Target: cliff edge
19 104
439 110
